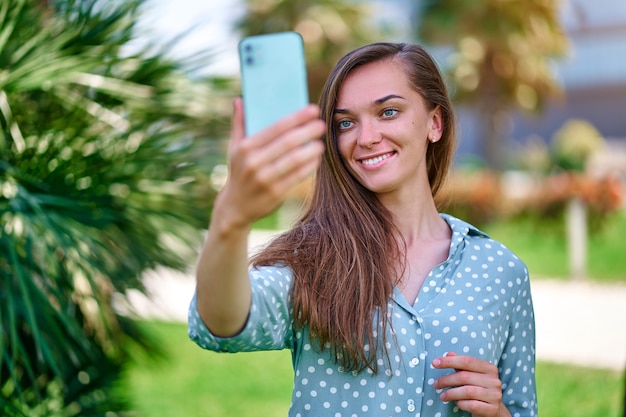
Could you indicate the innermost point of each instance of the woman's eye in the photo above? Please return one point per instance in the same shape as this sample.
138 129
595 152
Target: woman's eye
344 124
389 112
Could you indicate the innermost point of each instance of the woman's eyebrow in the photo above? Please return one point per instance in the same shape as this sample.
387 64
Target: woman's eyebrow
376 102
388 97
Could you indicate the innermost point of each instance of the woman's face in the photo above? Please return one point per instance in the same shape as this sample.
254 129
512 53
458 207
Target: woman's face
383 129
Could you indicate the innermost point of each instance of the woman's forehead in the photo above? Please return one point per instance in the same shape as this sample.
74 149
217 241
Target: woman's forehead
372 82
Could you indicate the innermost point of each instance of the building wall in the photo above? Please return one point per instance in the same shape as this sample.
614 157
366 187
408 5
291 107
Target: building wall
603 106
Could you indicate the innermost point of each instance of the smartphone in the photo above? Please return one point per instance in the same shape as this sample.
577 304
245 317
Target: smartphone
273 78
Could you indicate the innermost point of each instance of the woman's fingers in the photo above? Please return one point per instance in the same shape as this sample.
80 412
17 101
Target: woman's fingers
288 152
480 408
264 166
470 371
257 163
273 146
268 135
461 378
475 385
465 363
237 129
301 165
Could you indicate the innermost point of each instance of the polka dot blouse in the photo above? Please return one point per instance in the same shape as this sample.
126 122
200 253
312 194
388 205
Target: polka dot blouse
475 303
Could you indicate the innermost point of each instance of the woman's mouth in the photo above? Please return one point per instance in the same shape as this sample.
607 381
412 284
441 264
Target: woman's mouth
376 160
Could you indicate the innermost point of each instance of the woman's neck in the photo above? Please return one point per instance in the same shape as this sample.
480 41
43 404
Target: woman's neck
417 219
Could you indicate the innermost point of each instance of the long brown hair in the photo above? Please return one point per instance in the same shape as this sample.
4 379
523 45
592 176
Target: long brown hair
344 251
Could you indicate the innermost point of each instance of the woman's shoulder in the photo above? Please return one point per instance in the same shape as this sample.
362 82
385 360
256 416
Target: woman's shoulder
480 244
277 271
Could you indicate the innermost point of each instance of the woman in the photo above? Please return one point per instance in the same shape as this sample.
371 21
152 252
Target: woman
388 307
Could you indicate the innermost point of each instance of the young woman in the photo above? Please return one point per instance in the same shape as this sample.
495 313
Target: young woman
389 307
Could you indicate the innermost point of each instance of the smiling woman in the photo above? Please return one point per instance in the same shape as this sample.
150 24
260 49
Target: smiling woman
383 137
387 305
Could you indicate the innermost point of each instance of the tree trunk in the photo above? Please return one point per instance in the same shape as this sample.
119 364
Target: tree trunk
493 118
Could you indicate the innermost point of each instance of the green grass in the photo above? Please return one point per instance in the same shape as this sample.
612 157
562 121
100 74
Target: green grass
568 391
544 249
191 382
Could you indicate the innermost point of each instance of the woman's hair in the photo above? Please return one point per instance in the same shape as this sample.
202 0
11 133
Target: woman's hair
345 252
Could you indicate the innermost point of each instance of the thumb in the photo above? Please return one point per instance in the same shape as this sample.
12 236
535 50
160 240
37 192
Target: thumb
237 130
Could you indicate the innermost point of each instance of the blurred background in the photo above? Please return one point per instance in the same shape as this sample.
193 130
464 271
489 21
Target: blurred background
114 120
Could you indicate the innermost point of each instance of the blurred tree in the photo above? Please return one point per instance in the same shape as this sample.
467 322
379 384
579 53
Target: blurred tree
103 175
330 28
502 58
575 143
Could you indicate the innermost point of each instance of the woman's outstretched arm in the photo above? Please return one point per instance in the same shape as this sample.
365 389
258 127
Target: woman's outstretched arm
262 169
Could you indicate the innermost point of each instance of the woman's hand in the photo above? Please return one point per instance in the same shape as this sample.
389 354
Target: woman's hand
475 385
265 166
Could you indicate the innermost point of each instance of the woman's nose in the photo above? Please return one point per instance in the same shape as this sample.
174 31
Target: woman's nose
368 135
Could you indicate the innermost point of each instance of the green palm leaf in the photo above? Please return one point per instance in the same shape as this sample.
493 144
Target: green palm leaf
103 175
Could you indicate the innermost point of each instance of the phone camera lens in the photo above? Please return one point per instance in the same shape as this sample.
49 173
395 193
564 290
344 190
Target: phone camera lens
249 60
248 48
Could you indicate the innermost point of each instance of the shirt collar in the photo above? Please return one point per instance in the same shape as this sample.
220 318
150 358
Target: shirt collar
461 230
461 227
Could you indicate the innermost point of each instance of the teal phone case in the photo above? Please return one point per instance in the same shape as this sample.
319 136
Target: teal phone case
273 78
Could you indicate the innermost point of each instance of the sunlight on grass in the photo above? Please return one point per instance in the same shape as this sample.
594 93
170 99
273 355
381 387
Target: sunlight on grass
191 382
544 249
567 391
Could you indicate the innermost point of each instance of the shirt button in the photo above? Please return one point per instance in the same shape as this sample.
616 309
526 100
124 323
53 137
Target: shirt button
411 408
415 361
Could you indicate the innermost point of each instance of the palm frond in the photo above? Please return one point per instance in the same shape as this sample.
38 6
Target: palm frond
103 175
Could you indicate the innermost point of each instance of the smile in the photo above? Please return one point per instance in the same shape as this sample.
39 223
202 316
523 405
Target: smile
376 160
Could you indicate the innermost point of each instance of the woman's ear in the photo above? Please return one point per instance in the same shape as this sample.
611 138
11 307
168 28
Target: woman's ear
435 130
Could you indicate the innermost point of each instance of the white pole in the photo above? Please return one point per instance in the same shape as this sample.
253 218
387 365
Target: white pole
576 218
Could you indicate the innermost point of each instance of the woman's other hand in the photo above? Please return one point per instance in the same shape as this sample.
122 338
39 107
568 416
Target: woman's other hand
475 385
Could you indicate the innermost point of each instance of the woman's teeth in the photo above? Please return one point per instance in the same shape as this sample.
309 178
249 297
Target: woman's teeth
376 160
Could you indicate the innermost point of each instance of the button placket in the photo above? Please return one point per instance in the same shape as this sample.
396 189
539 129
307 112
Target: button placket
410 406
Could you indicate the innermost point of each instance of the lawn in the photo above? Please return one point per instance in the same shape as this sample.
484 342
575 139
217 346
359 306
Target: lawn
544 249
191 382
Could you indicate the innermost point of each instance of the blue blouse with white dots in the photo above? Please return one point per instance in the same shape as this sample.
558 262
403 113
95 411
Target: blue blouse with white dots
476 303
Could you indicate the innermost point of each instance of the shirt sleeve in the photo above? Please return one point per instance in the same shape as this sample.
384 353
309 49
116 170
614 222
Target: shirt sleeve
517 365
269 323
